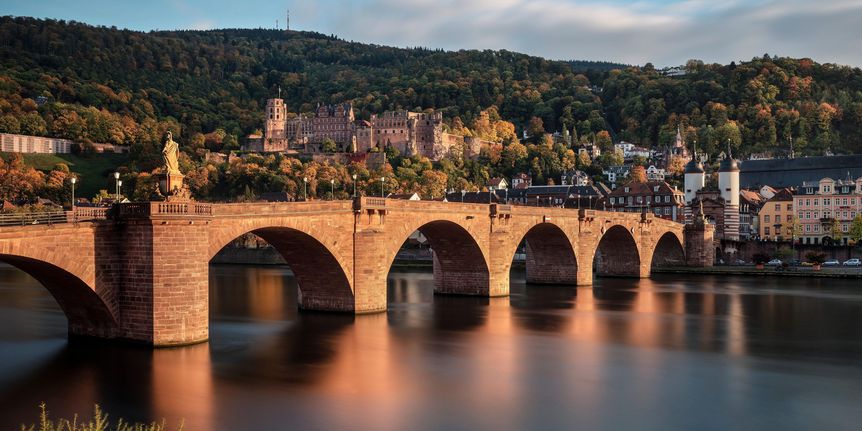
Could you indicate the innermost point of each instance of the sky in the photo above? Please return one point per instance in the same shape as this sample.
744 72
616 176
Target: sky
663 32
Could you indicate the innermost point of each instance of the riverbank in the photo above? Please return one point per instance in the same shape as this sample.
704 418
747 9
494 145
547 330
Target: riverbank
837 272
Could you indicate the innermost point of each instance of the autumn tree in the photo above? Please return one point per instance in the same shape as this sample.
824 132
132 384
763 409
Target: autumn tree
637 174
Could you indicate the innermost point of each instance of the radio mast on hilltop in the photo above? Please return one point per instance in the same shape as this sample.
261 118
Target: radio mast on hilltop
288 20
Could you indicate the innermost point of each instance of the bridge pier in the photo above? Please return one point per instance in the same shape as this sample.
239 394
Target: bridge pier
164 277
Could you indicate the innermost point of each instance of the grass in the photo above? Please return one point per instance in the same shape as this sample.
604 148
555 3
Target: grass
94 171
99 422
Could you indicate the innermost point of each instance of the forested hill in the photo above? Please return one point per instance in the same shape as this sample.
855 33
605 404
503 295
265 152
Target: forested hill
109 85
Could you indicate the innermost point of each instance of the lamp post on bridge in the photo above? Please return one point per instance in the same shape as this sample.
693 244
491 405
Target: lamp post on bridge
331 189
117 186
354 185
382 185
490 193
304 188
73 180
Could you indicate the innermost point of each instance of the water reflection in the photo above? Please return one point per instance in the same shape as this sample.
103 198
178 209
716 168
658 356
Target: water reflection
669 352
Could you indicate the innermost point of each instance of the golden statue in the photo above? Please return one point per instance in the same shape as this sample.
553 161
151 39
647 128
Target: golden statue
171 154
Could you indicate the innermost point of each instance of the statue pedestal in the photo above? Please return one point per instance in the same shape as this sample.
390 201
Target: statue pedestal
171 187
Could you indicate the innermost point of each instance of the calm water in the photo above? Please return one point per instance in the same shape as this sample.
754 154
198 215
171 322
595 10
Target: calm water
667 353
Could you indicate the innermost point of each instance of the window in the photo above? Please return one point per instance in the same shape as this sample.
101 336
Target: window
816 202
777 207
626 189
766 218
808 228
827 201
807 202
766 230
789 207
777 218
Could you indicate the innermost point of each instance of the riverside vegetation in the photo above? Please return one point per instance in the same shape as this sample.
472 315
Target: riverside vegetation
99 422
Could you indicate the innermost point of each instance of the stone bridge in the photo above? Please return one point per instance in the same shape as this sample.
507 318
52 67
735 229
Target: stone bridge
142 272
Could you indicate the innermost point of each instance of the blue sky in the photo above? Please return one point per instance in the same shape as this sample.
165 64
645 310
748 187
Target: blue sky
665 32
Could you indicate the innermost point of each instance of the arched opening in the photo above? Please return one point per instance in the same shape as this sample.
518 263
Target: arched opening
86 312
668 252
458 263
321 281
549 256
617 254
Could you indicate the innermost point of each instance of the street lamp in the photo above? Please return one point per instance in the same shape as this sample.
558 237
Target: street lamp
117 184
331 189
382 181
354 185
73 180
304 188
490 193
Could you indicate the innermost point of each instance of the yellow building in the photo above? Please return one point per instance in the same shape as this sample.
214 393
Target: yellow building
776 216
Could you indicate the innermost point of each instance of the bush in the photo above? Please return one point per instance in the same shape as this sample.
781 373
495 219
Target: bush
815 257
760 258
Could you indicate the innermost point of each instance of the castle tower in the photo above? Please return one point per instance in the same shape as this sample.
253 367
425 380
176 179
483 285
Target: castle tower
695 178
728 186
276 123
728 179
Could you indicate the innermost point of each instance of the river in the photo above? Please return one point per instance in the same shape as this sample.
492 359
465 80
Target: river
671 352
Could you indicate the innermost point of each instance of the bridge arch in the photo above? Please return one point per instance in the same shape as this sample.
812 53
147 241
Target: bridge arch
617 253
460 263
669 251
86 311
550 255
321 277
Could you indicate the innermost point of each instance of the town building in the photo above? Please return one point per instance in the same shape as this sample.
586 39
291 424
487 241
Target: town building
575 178
591 150
616 174
776 217
822 204
657 197
497 183
13 143
750 203
654 173
521 181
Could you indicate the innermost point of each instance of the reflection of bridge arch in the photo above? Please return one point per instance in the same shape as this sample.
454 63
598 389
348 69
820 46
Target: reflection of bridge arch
617 254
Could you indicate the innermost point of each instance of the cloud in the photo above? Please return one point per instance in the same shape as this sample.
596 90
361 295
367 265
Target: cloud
636 32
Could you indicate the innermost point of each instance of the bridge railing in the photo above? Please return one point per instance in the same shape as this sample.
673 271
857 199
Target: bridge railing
30 218
89 213
148 209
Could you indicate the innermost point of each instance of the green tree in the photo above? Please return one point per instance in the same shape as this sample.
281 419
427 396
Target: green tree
329 146
856 229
